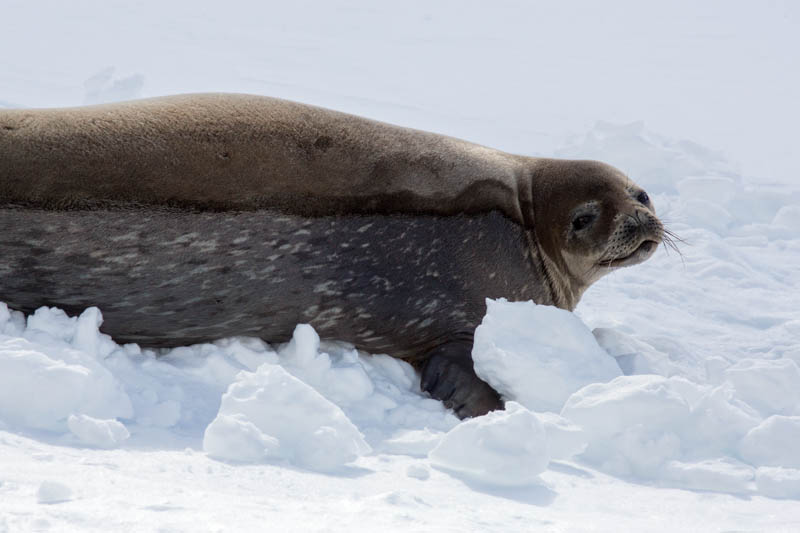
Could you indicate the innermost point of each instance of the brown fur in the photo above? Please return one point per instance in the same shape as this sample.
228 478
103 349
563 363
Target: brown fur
228 151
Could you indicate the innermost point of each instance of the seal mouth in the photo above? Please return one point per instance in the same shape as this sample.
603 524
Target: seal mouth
642 252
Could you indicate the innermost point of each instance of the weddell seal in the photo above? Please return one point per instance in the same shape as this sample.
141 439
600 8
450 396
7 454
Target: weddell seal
191 218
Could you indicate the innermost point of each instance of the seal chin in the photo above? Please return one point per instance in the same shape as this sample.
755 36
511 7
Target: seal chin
640 254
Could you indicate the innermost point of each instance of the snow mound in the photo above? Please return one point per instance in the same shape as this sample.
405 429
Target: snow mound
97 433
320 406
631 422
564 438
420 472
376 392
773 442
270 415
769 386
680 433
720 475
345 383
718 421
537 355
779 482
633 355
12 323
788 217
503 448
53 492
57 371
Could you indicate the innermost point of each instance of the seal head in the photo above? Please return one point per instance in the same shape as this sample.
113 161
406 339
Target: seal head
589 219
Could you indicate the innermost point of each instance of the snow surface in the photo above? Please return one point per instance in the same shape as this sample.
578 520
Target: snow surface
670 401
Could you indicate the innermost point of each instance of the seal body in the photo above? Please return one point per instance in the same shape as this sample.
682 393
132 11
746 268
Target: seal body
398 284
191 218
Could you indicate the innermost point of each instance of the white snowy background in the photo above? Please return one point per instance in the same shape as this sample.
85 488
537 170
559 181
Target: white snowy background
670 401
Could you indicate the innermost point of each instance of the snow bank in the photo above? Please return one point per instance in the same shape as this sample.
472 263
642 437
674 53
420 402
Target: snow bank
321 406
680 433
537 355
504 448
60 374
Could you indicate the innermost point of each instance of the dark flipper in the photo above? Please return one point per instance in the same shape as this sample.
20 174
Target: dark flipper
448 375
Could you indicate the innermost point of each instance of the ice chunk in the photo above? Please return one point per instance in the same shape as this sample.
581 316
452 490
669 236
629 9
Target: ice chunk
632 423
774 442
777 482
420 472
507 448
235 438
11 322
633 355
564 439
788 217
53 492
343 381
270 414
96 432
720 475
771 386
718 422
41 384
538 355
416 443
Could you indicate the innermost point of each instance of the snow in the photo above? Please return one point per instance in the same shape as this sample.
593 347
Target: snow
53 492
506 448
44 378
667 402
778 482
270 414
97 433
769 386
773 442
538 355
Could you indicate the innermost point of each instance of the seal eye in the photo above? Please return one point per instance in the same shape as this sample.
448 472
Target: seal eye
581 222
643 198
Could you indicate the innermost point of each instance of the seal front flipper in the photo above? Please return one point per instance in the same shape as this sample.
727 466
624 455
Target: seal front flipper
448 374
